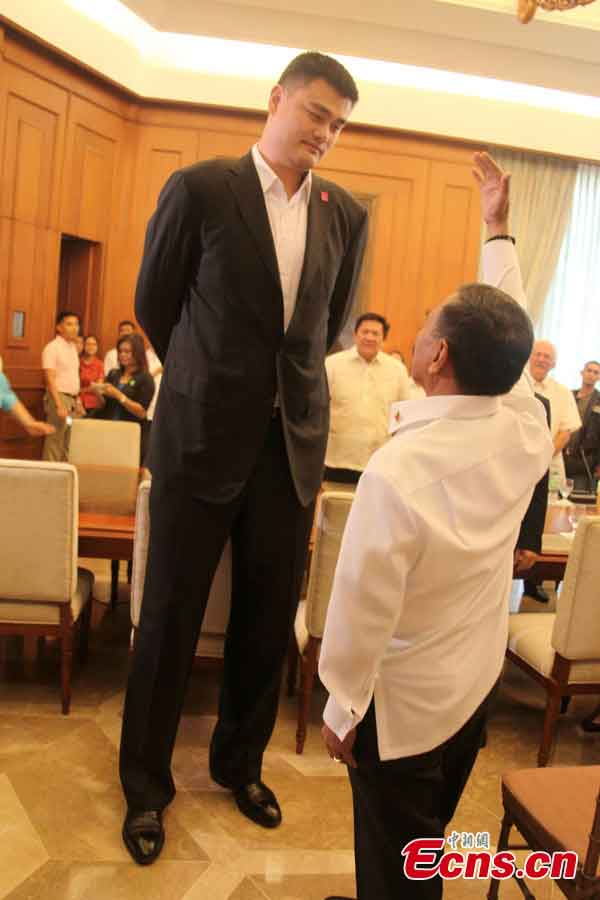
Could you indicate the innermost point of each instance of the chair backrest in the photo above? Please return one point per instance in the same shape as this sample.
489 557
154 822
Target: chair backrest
105 443
332 511
38 531
140 549
216 616
576 633
107 456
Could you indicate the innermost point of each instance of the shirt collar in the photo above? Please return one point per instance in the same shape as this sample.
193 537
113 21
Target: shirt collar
268 178
536 384
451 406
356 355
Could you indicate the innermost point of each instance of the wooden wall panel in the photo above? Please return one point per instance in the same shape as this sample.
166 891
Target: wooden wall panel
160 152
28 283
34 123
397 187
89 185
157 152
451 246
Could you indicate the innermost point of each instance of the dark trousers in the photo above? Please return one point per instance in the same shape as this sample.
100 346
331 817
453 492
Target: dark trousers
401 799
269 532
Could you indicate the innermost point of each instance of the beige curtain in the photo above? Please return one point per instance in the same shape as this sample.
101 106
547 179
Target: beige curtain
541 199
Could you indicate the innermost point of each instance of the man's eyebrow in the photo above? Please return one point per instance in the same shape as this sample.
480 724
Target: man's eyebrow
326 111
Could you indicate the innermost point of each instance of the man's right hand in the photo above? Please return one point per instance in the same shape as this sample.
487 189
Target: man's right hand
61 411
39 429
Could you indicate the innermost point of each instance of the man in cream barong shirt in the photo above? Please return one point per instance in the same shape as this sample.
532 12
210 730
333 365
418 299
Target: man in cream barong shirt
363 383
418 619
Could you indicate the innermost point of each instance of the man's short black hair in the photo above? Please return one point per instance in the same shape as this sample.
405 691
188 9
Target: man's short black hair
65 314
312 65
127 322
489 339
591 362
373 317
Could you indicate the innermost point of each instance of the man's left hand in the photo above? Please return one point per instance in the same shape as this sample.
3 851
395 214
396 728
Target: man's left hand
340 751
523 560
493 188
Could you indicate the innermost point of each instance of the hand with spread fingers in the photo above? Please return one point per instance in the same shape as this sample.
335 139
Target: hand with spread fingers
493 188
340 751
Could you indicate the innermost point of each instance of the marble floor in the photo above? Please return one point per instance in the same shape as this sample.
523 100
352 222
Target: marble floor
61 808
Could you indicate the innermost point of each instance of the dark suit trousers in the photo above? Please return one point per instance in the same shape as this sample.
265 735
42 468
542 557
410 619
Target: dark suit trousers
401 799
269 532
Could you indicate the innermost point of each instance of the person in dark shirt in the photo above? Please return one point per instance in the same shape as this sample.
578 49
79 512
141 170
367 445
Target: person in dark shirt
586 441
127 392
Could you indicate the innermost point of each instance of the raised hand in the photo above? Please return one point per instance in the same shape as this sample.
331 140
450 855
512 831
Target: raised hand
494 189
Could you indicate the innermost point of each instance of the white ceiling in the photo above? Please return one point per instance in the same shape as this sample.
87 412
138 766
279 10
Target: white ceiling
483 37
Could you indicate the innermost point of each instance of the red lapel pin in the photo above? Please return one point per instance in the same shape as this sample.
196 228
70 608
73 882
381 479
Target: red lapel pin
325 196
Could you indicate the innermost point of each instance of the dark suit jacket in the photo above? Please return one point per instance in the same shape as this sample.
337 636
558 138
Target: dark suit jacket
209 298
532 526
586 438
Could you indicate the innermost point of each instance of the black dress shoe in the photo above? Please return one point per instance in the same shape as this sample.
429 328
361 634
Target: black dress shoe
259 803
589 726
536 592
144 835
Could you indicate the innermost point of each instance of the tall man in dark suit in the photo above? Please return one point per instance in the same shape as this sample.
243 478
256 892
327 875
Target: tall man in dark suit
248 276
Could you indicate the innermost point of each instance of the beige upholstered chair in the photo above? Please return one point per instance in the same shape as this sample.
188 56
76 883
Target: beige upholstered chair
107 457
556 810
562 650
42 592
212 637
330 520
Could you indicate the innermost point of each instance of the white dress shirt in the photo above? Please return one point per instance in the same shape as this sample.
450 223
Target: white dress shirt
111 360
361 396
564 416
418 616
288 219
154 363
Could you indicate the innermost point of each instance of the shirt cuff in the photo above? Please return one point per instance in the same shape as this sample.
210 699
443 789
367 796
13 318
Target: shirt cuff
497 256
340 721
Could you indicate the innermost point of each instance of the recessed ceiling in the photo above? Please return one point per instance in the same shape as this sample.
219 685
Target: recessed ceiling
480 37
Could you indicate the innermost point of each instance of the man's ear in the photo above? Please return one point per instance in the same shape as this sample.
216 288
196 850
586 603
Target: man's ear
275 98
440 359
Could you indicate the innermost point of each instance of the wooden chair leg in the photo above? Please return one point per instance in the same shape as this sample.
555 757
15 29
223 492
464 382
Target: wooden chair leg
292 670
114 583
129 570
552 709
309 670
66 656
557 688
492 893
